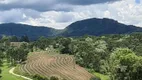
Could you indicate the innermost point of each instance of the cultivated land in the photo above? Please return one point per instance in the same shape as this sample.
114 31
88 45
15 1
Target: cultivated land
59 65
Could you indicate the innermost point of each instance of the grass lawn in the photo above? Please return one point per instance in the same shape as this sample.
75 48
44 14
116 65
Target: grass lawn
6 75
103 77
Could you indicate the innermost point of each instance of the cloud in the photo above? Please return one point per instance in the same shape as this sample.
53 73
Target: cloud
17 15
47 5
12 15
55 19
60 17
129 14
85 2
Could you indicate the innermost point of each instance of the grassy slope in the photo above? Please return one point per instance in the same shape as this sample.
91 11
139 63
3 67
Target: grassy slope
6 75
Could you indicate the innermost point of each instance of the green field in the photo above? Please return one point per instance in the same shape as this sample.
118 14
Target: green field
6 75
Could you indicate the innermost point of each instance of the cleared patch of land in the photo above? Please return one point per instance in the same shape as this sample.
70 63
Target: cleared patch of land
54 65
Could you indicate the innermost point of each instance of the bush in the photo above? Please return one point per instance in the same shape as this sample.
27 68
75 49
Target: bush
38 77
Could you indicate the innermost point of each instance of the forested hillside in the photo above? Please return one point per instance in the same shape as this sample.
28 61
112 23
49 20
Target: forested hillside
118 56
92 27
99 27
33 32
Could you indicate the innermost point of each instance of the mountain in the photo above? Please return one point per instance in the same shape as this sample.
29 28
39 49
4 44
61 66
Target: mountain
92 26
97 27
33 32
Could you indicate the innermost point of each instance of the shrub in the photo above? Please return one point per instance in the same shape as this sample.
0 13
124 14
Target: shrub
38 77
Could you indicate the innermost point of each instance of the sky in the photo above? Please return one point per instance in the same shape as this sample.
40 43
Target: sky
138 1
61 13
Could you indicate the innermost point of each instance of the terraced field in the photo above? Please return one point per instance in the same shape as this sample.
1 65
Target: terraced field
54 65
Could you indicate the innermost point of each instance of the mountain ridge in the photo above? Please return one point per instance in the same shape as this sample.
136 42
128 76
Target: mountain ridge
33 32
93 26
96 26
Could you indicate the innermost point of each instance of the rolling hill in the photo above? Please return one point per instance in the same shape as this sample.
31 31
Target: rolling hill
98 27
92 26
33 32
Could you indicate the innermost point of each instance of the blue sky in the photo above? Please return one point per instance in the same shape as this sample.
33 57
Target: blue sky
137 1
60 13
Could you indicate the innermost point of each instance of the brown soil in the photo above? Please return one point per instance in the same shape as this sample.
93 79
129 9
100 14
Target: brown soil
60 65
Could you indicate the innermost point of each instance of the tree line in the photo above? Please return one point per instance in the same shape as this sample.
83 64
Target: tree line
119 56
10 54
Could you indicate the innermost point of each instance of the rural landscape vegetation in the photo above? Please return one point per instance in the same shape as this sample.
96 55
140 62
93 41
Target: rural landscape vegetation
70 39
108 57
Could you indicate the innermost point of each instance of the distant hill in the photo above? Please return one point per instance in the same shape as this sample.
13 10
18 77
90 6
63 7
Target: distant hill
92 26
33 32
97 27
